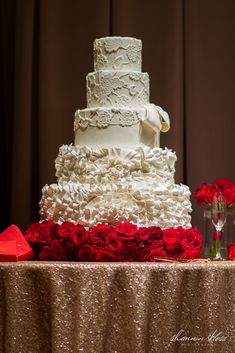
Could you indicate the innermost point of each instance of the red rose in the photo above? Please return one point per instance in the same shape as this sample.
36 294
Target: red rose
79 235
131 252
224 183
126 230
180 240
39 233
172 245
76 239
190 253
190 237
33 232
154 254
113 242
173 250
231 251
87 252
99 233
103 255
186 240
204 195
149 233
66 230
227 188
170 236
157 243
142 234
191 242
54 252
49 229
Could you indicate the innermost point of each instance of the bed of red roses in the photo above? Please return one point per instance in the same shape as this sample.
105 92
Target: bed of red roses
123 242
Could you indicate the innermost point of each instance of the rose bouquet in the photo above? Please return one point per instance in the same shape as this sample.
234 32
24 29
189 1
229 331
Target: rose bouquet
207 192
123 242
218 198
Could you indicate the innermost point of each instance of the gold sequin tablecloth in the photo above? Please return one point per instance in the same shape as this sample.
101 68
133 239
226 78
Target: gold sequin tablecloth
117 307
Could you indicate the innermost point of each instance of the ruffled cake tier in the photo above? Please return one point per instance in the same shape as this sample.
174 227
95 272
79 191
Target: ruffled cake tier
138 202
91 166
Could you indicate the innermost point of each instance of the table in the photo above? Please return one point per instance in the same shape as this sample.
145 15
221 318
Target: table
55 307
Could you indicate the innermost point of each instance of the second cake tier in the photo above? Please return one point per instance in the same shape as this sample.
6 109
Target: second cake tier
117 89
126 128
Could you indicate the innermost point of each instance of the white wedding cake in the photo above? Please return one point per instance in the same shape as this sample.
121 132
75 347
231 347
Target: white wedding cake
116 170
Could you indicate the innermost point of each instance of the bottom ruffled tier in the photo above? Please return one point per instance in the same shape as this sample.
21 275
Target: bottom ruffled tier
111 203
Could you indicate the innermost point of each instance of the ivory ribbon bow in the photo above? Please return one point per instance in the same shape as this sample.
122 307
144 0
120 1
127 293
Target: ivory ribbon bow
157 118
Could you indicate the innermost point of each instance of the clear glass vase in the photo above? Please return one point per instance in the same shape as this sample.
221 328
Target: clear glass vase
215 242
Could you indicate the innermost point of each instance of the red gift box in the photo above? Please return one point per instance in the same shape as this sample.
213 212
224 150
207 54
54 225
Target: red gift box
231 251
8 250
22 252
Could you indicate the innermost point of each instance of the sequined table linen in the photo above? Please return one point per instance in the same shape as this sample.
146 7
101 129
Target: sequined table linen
117 307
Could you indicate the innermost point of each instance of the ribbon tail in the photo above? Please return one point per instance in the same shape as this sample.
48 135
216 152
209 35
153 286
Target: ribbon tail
152 117
164 117
157 118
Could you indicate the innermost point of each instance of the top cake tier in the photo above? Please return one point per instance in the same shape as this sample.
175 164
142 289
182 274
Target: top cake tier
117 53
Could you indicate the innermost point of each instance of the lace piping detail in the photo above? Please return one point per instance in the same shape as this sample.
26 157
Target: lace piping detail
105 118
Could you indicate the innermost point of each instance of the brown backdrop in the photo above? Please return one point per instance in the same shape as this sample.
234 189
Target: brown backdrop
46 52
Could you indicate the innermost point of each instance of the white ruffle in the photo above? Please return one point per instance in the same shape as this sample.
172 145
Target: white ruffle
135 202
85 165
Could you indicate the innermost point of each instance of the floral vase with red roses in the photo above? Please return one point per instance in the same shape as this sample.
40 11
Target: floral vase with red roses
218 200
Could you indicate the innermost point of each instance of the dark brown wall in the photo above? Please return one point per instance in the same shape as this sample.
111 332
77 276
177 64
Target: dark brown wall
46 52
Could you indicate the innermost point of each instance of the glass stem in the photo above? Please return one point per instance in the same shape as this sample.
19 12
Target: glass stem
215 247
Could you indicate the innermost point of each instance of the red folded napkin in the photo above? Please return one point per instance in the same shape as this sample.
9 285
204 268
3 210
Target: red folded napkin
23 250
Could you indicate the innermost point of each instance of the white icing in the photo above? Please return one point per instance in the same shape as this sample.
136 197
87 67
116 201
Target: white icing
85 165
104 117
117 89
117 53
109 203
127 137
116 171
116 127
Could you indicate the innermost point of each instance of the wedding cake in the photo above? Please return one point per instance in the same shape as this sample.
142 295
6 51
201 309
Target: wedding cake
116 171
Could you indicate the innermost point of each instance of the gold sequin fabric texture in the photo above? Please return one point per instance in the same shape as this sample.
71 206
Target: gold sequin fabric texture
117 307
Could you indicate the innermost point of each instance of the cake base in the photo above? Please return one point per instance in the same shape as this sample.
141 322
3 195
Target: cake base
111 203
